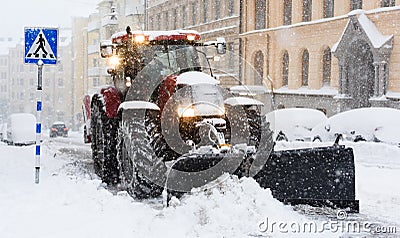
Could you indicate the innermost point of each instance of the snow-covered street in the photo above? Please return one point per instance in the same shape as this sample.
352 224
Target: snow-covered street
70 200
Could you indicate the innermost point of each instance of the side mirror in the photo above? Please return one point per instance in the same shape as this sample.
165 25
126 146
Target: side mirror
221 45
106 49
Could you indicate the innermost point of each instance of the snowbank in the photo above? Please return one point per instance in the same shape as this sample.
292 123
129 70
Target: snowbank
68 202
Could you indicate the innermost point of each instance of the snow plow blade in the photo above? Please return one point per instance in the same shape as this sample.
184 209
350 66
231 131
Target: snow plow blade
322 176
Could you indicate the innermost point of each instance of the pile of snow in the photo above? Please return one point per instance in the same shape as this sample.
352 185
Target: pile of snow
295 123
70 203
361 123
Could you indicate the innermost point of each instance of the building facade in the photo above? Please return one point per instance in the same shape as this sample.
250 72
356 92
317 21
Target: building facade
90 70
211 19
5 44
330 55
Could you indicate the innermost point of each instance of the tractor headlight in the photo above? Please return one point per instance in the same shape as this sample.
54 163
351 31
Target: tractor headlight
139 39
186 111
191 37
114 61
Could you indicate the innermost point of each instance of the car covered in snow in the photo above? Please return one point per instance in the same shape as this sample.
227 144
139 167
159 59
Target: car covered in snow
3 132
21 129
58 129
362 124
291 124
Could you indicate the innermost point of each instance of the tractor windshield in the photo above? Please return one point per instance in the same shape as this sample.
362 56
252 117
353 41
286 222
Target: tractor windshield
160 61
173 58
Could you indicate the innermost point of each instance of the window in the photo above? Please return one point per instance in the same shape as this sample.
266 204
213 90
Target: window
183 16
205 9
287 12
60 82
328 8
194 14
260 14
217 9
231 7
307 10
151 23
21 82
158 21
3 75
388 3
95 82
259 67
355 4
95 62
166 19
326 66
285 69
230 54
305 67
175 16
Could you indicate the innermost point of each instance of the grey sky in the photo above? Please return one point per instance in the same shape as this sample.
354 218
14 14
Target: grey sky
17 14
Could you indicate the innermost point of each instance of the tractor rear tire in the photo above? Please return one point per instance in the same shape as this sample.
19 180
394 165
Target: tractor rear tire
104 144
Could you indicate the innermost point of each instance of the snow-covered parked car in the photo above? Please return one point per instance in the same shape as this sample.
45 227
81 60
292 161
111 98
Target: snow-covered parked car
293 124
362 124
21 129
3 127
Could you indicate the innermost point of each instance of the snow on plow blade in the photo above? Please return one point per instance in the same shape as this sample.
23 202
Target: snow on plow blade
322 176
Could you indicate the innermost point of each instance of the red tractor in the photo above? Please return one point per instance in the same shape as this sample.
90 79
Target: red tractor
166 125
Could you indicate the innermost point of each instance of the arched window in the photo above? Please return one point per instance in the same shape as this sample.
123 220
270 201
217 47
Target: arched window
259 66
260 14
307 10
285 69
205 9
355 4
305 66
287 12
326 66
329 6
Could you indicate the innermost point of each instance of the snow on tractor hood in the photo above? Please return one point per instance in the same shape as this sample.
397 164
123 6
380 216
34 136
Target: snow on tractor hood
194 77
138 105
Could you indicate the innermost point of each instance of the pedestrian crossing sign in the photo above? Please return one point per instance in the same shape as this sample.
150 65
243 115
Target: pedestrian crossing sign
41 44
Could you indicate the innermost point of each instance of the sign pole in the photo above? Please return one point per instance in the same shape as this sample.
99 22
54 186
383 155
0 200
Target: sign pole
38 123
40 48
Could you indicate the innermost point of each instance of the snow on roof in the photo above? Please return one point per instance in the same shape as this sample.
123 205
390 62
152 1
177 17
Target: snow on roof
377 39
58 123
194 77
